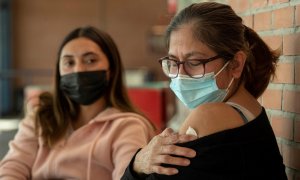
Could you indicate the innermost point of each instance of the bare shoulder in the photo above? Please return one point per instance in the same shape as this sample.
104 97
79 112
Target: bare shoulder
211 118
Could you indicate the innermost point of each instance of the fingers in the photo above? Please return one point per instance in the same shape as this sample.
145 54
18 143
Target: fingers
164 170
161 150
167 132
170 139
178 151
177 138
31 106
168 147
186 138
168 159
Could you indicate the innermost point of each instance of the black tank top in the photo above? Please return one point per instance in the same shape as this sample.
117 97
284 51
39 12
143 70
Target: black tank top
248 152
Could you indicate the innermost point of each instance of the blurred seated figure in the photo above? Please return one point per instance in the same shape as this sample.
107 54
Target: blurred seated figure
86 128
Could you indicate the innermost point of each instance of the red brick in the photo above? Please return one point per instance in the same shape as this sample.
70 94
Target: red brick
283 18
248 21
269 114
259 3
297 15
291 44
259 99
291 156
239 6
283 127
272 2
297 131
274 42
244 6
262 21
284 73
234 5
297 72
291 99
271 99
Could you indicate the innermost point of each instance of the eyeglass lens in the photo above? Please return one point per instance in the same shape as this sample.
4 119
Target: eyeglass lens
193 68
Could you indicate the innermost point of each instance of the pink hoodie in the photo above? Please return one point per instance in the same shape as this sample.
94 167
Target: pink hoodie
101 149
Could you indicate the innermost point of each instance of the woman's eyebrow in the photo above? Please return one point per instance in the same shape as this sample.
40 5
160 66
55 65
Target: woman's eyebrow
66 57
194 53
89 53
172 56
188 55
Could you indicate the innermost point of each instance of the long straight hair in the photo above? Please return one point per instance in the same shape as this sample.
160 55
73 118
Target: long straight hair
56 110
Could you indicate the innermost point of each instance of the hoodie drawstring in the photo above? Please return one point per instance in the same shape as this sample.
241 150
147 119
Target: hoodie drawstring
91 151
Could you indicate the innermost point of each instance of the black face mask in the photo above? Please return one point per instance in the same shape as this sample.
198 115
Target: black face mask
84 87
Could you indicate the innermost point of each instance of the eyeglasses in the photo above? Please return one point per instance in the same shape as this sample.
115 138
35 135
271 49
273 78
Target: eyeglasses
195 68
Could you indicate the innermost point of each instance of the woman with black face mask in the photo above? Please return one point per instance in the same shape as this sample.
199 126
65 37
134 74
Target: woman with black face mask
86 128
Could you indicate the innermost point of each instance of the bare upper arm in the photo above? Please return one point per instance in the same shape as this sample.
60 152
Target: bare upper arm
211 118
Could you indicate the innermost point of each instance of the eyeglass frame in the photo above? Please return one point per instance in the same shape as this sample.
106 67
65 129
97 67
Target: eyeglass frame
202 62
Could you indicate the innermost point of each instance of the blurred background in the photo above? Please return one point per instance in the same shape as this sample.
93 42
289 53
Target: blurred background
32 30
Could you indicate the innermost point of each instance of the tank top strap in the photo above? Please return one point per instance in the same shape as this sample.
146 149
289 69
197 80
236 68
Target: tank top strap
245 113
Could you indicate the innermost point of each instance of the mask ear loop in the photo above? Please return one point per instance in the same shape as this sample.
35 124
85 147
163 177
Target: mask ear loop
229 85
221 69
227 89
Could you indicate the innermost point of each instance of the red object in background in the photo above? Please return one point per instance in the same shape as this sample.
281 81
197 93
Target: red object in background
151 101
172 6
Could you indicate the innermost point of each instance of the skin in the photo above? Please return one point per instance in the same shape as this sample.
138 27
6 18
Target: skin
206 119
79 55
159 150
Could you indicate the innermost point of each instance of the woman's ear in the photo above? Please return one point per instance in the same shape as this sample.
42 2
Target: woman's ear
237 64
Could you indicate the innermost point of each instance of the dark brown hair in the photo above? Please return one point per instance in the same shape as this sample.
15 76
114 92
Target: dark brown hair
222 30
57 111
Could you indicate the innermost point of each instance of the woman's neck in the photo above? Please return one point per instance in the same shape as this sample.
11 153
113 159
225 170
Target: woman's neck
87 113
245 99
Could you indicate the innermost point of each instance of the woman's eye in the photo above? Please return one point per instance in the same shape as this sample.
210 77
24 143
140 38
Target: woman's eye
193 63
69 63
89 61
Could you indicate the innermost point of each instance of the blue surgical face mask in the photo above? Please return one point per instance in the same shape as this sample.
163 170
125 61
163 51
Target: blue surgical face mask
193 92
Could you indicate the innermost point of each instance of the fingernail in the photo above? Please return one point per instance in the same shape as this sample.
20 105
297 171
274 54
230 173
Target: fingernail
193 154
187 162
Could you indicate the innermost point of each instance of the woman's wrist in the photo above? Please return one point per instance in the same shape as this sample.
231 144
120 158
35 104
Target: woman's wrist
137 165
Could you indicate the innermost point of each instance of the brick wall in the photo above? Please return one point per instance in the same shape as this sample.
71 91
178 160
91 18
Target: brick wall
278 23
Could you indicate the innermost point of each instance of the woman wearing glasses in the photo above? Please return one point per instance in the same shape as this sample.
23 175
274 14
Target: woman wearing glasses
218 68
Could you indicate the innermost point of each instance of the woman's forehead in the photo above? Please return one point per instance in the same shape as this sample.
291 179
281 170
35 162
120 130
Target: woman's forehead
183 42
81 45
